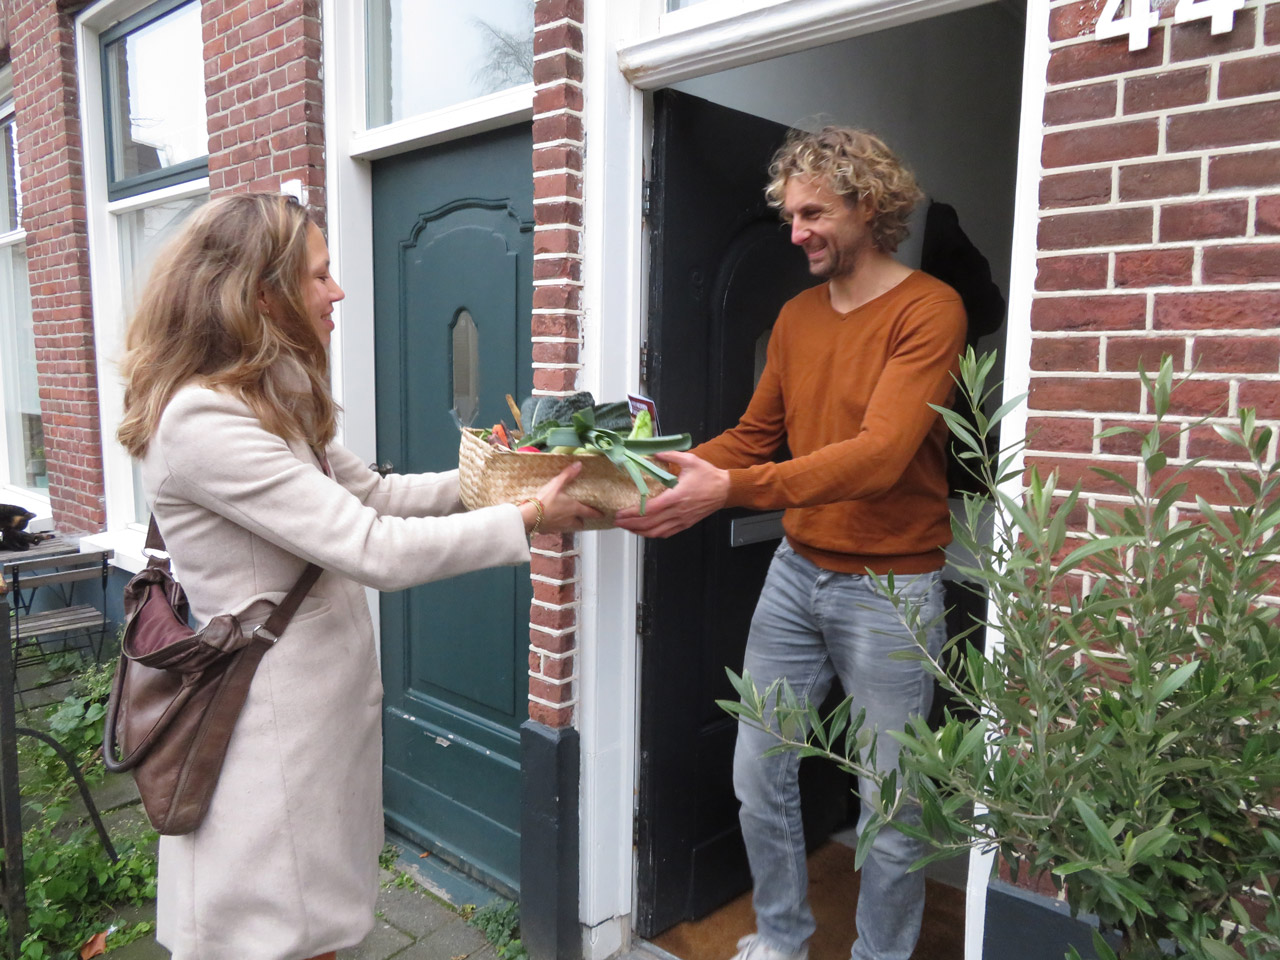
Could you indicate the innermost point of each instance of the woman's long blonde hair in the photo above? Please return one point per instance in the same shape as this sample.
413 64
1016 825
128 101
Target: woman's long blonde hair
200 319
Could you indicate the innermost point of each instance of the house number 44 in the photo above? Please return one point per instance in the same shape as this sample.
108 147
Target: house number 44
1137 23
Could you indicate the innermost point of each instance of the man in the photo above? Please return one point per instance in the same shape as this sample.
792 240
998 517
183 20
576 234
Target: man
853 365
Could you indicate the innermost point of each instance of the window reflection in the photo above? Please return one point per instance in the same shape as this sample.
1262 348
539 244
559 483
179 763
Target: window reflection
23 427
466 368
142 233
428 54
155 95
10 218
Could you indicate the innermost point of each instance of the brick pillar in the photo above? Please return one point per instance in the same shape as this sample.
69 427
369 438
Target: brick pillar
557 333
266 99
51 167
1159 234
549 748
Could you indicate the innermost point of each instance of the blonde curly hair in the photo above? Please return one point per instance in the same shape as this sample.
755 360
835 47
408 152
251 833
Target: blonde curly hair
855 164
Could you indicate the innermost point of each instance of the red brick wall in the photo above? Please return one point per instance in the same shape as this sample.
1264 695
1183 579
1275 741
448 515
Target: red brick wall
49 158
557 335
1159 233
266 99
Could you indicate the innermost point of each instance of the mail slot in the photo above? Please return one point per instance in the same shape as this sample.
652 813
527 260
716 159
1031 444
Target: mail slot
755 529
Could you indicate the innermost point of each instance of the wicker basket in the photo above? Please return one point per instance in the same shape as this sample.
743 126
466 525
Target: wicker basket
489 475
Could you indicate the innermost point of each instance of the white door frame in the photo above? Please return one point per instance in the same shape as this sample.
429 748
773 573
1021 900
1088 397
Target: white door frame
621 62
764 33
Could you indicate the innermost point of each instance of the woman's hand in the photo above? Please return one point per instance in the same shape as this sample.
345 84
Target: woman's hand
560 512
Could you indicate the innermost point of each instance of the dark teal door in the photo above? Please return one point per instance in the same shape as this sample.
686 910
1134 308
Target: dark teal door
453 259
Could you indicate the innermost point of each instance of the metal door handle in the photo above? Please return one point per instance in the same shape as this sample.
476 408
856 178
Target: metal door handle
383 468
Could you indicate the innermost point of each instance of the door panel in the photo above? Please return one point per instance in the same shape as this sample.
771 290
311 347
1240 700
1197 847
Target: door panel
453 231
723 266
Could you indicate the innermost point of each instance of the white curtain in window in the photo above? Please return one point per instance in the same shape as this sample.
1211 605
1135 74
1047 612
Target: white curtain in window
18 372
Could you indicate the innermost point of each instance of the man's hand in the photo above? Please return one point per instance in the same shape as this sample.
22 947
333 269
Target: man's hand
702 491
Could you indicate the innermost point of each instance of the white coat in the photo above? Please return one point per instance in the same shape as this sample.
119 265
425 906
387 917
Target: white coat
285 864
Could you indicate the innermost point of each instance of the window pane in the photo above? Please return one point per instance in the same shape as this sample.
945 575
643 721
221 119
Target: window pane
429 54
155 95
9 211
18 369
680 4
466 369
142 233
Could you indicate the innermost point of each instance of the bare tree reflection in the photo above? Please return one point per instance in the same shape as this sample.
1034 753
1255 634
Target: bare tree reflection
508 58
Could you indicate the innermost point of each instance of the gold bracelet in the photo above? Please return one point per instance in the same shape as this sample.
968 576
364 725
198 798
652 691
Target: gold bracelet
538 515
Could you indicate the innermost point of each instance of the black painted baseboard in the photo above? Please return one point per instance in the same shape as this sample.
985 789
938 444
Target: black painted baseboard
549 927
1026 926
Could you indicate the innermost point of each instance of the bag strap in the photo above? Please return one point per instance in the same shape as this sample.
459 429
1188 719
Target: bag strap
274 625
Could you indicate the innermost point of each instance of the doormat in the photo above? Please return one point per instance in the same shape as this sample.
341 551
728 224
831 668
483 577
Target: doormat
833 892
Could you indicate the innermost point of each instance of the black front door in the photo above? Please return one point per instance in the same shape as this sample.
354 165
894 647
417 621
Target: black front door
723 266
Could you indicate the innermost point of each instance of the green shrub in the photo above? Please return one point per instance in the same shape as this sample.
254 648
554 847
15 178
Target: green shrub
72 885
500 923
1123 737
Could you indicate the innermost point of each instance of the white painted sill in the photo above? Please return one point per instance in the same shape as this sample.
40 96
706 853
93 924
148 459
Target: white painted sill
126 545
42 522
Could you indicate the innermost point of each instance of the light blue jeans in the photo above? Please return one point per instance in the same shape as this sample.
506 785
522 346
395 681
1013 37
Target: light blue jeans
810 626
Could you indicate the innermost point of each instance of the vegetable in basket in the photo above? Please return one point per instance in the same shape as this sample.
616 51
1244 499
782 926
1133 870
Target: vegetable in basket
627 453
606 429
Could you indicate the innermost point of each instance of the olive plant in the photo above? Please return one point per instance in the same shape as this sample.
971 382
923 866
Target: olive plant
1121 733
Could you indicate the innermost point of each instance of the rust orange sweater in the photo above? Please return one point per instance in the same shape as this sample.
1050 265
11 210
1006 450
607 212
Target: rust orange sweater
866 486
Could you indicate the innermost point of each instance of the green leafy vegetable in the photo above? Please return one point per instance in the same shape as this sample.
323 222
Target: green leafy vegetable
631 456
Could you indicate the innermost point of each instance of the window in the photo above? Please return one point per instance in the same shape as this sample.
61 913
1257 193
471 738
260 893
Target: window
22 462
425 55
146 146
153 83
143 232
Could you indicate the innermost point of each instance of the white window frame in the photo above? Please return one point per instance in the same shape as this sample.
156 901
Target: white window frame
124 534
350 145
490 112
37 503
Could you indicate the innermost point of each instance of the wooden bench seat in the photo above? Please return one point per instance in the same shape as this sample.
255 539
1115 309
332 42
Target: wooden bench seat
38 631
82 616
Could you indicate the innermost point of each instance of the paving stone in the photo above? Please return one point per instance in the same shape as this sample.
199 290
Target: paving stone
383 941
455 939
115 791
144 948
413 910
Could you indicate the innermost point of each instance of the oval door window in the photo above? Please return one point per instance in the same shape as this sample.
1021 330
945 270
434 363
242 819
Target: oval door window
466 368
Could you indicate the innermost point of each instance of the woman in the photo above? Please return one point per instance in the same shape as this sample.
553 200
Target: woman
227 404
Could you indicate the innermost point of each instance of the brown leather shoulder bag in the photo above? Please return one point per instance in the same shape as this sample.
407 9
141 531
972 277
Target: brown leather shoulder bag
177 693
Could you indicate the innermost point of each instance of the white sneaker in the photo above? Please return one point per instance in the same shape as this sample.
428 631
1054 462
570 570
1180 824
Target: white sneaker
751 947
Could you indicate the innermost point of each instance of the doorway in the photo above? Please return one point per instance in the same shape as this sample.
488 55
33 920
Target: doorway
945 94
453 281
